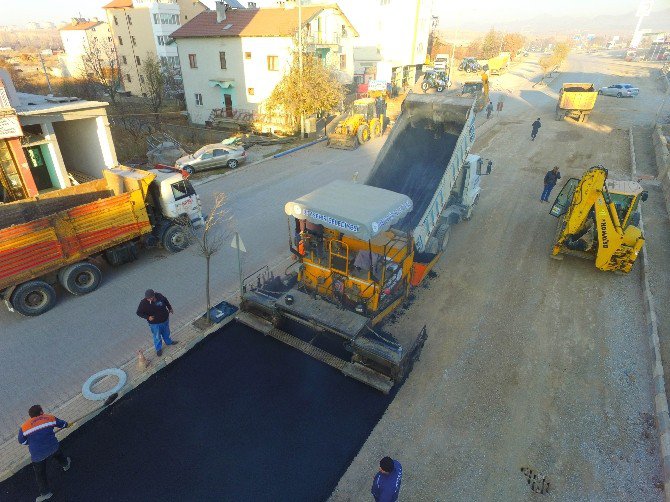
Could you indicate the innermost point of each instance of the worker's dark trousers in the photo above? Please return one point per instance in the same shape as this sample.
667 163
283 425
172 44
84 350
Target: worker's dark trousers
533 133
547 190
41 470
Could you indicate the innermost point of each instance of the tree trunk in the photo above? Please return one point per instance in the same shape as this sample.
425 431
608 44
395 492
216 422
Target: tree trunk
209 302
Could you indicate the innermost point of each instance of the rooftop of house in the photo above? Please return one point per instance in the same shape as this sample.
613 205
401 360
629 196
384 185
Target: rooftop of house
81 25
118 4
37 104
270 22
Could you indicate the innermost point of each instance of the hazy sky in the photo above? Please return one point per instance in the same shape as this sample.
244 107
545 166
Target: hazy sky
19 12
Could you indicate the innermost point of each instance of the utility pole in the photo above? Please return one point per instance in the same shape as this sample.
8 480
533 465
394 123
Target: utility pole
44 69
302 114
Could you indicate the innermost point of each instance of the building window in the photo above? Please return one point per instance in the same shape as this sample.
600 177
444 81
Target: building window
124 60
343 61
155 18
116 21
128 77
141 79
344 31
273 63
385 2
250 91
130 21
222 60
120 40
247 55
132 41
137 61
192 61
198 99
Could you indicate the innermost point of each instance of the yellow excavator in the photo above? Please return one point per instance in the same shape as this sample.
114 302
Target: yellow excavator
598 218
365 121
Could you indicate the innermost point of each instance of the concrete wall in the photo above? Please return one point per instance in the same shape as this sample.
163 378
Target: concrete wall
79 143
660 137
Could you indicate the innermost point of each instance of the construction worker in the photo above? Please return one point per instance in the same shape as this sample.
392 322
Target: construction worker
550 180
386 484
156 309
489 110
38 433
536 127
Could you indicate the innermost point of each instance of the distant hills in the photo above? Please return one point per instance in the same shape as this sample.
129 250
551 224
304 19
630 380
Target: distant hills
604 24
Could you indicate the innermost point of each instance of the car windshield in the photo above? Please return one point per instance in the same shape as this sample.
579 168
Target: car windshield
199 152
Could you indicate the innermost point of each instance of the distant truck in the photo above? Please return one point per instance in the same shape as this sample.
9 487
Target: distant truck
576 100
58 237
499 64
441 62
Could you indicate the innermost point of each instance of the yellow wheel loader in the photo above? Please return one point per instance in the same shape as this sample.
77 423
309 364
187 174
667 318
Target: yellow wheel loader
365 121
598 218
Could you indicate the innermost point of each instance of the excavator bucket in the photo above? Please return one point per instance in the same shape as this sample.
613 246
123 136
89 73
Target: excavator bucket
342 141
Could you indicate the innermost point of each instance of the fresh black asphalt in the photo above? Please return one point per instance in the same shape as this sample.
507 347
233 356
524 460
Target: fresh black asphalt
240 417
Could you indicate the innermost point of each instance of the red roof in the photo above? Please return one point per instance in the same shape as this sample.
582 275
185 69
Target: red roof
80 26
118 4
270 22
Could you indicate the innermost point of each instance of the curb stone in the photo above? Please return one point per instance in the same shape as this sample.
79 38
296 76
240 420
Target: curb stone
660 395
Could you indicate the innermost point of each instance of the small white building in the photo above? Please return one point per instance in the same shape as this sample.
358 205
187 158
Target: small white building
63 138
82 37
232 59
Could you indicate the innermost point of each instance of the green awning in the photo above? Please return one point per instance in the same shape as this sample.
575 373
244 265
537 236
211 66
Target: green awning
224 84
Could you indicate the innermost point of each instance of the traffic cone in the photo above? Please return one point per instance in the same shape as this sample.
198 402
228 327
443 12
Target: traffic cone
142 362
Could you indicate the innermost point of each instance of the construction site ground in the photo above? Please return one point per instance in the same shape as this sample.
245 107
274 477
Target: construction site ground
531 363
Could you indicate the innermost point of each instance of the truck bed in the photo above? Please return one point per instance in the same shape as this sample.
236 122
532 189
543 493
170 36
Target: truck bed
43 245
418 158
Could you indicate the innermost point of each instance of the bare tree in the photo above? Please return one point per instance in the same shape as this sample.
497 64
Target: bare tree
154 83
100 66
210 239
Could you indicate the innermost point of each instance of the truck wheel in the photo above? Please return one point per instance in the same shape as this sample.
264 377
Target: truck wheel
33 298
376 128
80 278
440 88
424 86
363 134
175 239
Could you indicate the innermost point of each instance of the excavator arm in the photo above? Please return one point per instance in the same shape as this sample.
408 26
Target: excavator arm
585 206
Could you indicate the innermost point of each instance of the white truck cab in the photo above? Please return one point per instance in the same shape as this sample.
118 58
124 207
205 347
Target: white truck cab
178 197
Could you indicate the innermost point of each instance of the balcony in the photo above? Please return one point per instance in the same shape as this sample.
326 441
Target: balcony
324 40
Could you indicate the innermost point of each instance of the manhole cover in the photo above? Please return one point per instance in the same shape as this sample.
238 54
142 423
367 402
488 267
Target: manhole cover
538 483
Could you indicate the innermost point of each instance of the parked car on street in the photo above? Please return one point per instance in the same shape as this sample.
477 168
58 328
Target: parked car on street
469 65
619 90
211 157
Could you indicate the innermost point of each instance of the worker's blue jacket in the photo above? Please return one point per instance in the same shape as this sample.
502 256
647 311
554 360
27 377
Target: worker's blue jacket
386 487
38 433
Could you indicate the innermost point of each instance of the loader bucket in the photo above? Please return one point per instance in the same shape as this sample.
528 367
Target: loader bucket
342 141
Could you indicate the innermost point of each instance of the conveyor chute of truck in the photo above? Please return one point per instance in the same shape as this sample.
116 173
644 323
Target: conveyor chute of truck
359 248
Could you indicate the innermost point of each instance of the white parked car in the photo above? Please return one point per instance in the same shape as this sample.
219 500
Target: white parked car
211 157
620 91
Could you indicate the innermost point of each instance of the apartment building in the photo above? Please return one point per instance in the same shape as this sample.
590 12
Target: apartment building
143 27
79 37
231 59
393 38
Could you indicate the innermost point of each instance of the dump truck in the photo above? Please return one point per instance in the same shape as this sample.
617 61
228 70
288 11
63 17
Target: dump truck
598 220
477 89
498 64
576 100
365 121
59 237
360 248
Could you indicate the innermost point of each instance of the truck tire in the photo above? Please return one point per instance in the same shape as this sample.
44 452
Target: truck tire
80 278
363 134
175 239
425 86
33 298
375 128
